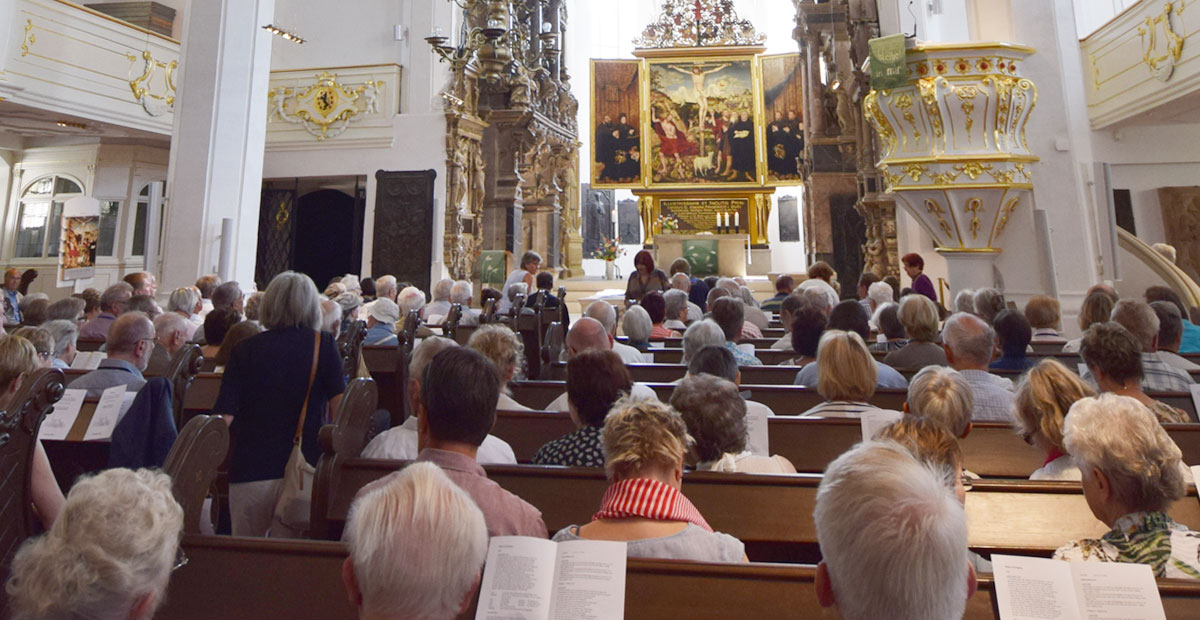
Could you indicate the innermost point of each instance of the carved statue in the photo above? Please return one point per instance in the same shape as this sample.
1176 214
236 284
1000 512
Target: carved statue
846 111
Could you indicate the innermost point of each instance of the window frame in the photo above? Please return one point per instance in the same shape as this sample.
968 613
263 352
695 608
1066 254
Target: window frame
50 199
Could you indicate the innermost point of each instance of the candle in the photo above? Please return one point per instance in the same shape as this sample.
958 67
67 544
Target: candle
718 219
737 219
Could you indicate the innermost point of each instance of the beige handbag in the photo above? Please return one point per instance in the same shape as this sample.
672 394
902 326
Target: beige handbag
294 504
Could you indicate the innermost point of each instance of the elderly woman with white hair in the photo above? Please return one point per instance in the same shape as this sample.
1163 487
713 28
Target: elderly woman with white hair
715 414
919 316
701 334
1132 473
110 554
504 348
269 379
185 301
637 327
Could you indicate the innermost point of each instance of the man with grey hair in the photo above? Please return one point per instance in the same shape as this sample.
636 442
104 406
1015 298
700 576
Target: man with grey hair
964 301
400 442
970 344
701 334
385 287
943 396
462 293
1139 319
893 538
683 282
817 298
130 341
606 314
228 295
331 317
112 304
676 309
65 334
988 303
172 334
435 311
1170 335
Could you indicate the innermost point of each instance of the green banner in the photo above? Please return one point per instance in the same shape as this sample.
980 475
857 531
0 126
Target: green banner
887 62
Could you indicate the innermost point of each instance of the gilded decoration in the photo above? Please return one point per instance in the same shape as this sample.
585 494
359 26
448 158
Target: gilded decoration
698 23
29 39
1162 46
325 108
159 100
961 155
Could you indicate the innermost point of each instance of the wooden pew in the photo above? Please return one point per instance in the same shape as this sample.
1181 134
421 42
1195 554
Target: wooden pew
769 357
305 578
390 373
666 373
770 513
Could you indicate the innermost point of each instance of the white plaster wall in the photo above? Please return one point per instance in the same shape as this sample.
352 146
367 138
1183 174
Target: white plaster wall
1090 15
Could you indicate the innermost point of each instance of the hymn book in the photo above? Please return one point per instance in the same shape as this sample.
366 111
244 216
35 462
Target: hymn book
1040 589
536 579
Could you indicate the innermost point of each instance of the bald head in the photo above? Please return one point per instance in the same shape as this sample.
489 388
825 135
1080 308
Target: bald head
605 314
587 334
970 342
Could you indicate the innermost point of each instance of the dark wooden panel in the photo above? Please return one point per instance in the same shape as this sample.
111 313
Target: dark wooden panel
403 241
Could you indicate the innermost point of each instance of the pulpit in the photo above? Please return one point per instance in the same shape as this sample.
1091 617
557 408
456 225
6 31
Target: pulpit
708 254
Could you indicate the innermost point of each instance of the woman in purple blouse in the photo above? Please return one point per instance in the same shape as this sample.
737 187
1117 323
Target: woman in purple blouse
913 266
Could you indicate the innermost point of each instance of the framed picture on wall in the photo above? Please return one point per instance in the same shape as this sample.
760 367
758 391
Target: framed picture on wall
616 158
783 118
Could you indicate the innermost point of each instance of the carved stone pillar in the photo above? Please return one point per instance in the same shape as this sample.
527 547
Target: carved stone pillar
503 148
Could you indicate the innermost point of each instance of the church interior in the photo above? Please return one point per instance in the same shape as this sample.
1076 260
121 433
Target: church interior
982 211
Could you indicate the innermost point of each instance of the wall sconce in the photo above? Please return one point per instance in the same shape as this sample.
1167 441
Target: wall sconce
280 32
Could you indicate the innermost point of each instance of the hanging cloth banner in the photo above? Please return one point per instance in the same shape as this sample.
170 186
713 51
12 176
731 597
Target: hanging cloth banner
887 62
81 232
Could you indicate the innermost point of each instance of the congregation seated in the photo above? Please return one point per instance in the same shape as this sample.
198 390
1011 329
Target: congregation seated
112 304
524 274
91 303
456 411
1013 334
700 335
808 323
1117 364
34 309
144 304
942 396
717 361
544 293
655 305
989 302
784 285
67 309
143 283
964 301
1097 307
205 285
43 344
638 327
696 288
595 381
228 295
821 277
400 442
385 288
587 334
410 298
416 545
461 293
185 302
1132 473
1044 316
216 324
1141 321
109 554
754 315
848 316
1170 336
1043 398
66 336
1190 339
130 342
331 317
381 323
890 328
436 310
645 277
969 344
715 414
728 314
875 294
242 331
269 380
892 536
677 312
606 314
18 359
787 315
171 330
845 376
351 305
645 443
503 347
919 317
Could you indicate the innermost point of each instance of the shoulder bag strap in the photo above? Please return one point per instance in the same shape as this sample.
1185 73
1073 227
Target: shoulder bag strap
312 375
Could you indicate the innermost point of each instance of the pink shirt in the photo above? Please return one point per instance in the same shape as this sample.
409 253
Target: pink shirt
505 513
661 332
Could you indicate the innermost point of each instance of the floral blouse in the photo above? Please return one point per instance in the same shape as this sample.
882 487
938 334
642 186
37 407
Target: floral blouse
579 448
1151 538
1167 414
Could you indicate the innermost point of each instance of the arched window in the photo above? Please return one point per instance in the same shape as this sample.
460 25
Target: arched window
39 220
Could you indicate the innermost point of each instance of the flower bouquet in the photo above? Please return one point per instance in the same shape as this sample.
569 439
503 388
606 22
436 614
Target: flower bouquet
609 250
667 224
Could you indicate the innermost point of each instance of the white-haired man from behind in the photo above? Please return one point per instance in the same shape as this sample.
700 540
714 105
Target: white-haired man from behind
331 317
385 288
462 293
589 334
970 344
677 312
435 311
417 544
893 538
409 299
400 442
683 282
606 314
878 294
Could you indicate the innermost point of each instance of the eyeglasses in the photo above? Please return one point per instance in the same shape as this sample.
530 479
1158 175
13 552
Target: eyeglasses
181 560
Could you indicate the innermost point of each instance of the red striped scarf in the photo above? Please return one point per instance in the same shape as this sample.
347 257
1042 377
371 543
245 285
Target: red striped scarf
649 499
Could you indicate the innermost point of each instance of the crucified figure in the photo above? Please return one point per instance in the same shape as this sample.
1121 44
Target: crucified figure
698 75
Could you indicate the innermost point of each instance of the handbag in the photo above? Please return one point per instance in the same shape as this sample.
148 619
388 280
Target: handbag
293 506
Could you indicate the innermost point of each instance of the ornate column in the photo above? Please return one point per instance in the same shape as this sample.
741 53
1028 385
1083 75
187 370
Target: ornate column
954 150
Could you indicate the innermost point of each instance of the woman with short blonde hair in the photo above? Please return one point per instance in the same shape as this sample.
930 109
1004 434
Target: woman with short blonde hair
919 316
1044 315
1132 472
1043 398
504 348
644 445
1097 307
846 375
